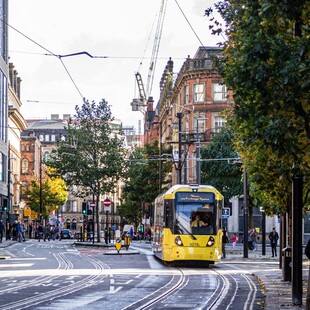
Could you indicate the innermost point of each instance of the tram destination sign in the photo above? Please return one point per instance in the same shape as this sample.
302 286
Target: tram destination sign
195 197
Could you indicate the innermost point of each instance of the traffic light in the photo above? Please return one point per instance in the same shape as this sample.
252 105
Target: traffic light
84 207
5 205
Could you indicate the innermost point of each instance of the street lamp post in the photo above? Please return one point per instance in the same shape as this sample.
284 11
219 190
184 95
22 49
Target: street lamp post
245 215
41 204
179 116
198 162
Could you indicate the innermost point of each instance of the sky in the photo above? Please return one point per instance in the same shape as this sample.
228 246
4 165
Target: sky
120 32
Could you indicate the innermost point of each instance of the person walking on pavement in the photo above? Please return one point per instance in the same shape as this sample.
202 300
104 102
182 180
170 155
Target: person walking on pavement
30 231
2 229
47 232
20 232
234 241
57 233
40 232
273 237
224 241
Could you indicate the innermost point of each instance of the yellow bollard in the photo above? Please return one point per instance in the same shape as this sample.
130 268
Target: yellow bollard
127 241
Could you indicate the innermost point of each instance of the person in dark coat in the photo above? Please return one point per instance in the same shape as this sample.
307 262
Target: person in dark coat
2 229
224 241
273 237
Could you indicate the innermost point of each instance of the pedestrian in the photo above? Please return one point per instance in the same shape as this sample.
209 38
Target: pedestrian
40 232
20 235
30 227
253 239
273 237
23 226
131 233
57 233
47 232
234 241
2 229
224 241
14 231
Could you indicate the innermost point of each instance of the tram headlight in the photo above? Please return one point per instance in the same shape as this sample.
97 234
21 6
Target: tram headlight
210 242
178 241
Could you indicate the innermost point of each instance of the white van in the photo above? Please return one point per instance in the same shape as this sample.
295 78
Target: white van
127 228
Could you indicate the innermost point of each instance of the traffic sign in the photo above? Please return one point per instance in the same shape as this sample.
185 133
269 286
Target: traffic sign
107 202
92 204
226 211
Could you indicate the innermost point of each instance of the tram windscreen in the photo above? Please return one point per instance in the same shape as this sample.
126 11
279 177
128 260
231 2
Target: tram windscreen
195 219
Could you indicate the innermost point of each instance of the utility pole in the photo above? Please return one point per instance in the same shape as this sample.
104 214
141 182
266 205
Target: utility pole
297 193
179 116
198 160
41 204
245 215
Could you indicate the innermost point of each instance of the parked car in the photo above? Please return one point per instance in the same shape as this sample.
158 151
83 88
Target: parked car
66 234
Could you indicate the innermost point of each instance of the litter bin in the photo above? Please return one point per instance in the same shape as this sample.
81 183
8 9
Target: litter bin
286 264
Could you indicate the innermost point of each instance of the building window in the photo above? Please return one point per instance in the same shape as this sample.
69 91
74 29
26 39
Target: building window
23 147
2 167
68 224
3 106
219 122
73 226
186 94
41 137
46 156
27 148
47 137
219 92
25 166
74 206
53 138
199 92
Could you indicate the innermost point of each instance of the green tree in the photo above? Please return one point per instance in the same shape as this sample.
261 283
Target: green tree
225 175
266 61
142 181
52 195
92 155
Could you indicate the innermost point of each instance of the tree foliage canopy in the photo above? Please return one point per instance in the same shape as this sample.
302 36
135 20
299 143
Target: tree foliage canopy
266 61
225 175
142 181
91 157
52 195
92 154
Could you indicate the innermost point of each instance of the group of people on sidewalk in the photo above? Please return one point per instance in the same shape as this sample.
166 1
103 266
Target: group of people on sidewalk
17 232
252 244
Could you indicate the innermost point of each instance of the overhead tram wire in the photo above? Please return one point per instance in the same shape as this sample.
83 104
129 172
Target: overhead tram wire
176 1
53 54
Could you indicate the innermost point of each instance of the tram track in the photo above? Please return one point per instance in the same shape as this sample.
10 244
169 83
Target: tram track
230 292
64 263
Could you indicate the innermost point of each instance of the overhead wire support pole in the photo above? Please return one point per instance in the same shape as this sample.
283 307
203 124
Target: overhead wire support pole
179 116
245 215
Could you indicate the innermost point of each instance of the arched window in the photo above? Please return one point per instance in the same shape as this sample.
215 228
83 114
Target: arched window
23 147
73 226
27 148
68 223
25 166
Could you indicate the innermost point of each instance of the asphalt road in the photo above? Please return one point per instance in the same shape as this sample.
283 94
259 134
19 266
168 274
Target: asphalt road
59 275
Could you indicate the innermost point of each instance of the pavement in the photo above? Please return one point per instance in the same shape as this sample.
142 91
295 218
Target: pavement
278 293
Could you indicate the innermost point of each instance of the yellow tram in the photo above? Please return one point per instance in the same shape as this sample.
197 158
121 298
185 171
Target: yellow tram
187 224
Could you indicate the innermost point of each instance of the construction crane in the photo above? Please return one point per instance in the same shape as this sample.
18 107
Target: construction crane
138 104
